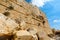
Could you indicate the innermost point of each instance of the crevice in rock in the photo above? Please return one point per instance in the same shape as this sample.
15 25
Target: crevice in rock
10 8
38 24
50 35
40 17
6 13
43 22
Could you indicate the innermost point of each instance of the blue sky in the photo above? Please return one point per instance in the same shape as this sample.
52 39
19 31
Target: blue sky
52 10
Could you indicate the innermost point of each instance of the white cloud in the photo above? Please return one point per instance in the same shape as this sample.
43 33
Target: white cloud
56 21
39 3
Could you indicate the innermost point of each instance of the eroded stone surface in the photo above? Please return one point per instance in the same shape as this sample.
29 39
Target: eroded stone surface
7 25
24 35
23 21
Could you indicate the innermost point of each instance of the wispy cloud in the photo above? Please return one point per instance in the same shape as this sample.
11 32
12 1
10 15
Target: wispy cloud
56 20
39 3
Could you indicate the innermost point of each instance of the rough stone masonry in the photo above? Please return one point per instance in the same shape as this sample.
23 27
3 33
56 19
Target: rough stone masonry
20 20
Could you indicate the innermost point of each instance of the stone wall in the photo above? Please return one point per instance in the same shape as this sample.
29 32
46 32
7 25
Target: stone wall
22 21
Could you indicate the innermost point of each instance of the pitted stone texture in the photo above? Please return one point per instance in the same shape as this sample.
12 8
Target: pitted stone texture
7 25
23 20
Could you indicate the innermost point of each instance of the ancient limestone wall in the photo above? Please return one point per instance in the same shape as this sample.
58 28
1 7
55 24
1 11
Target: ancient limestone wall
22 21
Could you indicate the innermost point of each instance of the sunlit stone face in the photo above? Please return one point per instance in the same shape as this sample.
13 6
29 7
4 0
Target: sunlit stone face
24 35
7 25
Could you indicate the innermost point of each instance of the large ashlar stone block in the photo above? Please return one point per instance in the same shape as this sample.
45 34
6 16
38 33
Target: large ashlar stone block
24 35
